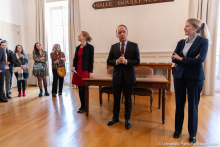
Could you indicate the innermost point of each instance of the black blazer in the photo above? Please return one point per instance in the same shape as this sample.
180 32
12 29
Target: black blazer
87 58
10 59
2 59
191 66
133 59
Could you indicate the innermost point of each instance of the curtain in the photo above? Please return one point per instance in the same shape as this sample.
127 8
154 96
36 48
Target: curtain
73 29
41 30
207 11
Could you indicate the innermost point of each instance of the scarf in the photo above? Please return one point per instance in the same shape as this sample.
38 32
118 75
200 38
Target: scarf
22 74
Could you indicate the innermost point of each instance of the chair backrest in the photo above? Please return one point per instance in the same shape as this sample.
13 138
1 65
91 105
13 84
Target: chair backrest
110 70
143 70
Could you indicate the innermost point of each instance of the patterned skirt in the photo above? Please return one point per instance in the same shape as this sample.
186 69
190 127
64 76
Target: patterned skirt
43 72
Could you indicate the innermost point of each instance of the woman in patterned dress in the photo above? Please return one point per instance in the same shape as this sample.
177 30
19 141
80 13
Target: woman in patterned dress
58 60
40 56
83 65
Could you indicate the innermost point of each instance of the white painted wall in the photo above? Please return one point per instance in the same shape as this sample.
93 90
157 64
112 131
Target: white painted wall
155 27
12 11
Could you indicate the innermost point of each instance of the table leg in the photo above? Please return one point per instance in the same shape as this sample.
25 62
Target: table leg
87 99
100 96
159 99
164 106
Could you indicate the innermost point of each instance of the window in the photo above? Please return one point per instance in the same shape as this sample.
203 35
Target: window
57 29
217 71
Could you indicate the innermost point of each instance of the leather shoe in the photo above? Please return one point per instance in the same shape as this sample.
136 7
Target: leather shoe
9 92
54 95
176 134
78 111
81 110
112 121
192 139
3 100
8 96
127 124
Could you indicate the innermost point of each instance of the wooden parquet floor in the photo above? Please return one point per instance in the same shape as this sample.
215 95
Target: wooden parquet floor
34 121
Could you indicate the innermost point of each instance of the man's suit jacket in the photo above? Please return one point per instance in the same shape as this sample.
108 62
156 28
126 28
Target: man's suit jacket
10 59
133 59
2 59
191 66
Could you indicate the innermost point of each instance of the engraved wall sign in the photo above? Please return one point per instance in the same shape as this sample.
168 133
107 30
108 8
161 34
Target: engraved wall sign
123 3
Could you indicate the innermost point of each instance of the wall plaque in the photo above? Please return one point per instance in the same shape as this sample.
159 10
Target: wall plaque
123 3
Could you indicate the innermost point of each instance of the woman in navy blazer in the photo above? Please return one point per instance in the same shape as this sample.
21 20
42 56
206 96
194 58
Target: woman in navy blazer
189 56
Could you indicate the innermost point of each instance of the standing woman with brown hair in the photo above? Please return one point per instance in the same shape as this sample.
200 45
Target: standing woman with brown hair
189 55
40 59
20 61
83 65
58 60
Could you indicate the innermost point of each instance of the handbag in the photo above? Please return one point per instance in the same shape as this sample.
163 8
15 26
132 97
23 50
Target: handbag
38 66
15 69
61 71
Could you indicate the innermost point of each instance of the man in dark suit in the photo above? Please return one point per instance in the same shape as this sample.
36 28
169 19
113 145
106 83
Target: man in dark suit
123 55
2 70
9 68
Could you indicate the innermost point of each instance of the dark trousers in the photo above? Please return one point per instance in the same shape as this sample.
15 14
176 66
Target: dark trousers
127 90
23 82
82 96
10 82
7 80
194 88
2 93
55 79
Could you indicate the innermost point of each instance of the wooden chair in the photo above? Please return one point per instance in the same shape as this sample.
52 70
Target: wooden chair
143 70
107 90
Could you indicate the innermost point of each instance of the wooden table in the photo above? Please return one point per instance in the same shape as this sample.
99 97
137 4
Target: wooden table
152 81
167 66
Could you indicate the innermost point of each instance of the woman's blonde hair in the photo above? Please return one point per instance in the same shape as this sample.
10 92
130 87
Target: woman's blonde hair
203 30
55 46
88 37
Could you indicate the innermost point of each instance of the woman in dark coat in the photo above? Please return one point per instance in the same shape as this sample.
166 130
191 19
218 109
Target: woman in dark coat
83 65
189 56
